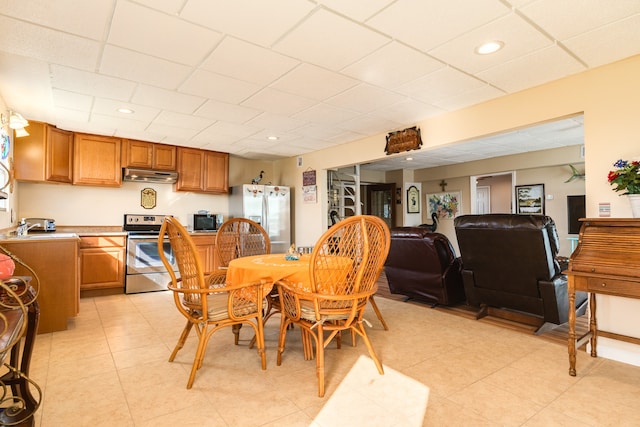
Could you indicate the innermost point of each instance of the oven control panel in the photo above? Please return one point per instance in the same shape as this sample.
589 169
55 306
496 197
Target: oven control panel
141 222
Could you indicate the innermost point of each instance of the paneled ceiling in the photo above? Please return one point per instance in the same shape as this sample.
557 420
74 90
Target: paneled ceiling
228 74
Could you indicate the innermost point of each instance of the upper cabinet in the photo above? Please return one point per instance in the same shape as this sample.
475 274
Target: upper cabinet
202 171
45 155
96 160
148 155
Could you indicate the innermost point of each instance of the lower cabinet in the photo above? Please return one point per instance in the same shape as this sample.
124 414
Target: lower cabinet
102 265
55 262
206 246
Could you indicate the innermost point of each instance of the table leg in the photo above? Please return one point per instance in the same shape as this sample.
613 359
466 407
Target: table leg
593 324
572 327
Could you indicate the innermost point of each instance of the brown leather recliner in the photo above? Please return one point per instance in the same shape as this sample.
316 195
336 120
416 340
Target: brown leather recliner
509 261
423 265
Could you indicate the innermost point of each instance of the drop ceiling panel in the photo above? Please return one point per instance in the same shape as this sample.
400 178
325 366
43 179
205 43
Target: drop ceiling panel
427 24
542 66
275 123
184 121
71 100
469 97
392 65
260 22
249 62
91 83
365 98
359 10
604 45
217 110
440 84
278 102
329 40
218 87
518 36
28 40
131 65
147 31
166 99
84 18
562 23
109 107
325 114
314 82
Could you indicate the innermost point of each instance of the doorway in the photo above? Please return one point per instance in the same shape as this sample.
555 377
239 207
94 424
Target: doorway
492 193
380 201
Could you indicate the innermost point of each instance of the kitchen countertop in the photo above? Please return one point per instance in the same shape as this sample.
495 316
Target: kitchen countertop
75 232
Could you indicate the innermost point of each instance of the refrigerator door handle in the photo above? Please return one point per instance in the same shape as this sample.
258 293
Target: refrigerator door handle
265 213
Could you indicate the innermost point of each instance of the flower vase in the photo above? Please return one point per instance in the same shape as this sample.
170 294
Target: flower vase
634 200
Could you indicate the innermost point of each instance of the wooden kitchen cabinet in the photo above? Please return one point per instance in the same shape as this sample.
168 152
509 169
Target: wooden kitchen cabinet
148 155
45 155
102 265
96 160
202 171
206 247
55 261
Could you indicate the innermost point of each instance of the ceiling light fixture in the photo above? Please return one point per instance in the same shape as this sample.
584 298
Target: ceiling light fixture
20 132
489 47
125 110
409 158
15 122
272 138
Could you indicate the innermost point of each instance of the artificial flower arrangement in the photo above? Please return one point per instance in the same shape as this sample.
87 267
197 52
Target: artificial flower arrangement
626 177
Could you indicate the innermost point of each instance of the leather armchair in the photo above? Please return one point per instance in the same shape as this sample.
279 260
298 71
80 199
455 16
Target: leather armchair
423 265
509 261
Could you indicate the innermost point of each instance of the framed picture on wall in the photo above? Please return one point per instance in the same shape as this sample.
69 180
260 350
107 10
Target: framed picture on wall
530 199
446 205
413 200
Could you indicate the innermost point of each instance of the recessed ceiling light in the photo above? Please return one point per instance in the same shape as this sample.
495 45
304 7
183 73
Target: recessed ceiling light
409 158
125 110
272 138
489 47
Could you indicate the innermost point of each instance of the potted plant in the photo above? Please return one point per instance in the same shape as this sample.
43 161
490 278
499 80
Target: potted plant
626 178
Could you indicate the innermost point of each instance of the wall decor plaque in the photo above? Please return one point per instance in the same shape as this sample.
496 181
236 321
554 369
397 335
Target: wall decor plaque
148 198
403 140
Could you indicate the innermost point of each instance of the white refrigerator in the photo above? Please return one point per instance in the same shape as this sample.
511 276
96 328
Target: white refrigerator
269 206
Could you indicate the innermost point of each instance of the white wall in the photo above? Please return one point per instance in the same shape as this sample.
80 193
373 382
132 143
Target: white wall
75 205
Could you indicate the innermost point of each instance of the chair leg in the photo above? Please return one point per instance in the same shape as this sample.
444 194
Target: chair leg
377 311
181 340
282 337
199 357
260 341
236 333
320 359
359 328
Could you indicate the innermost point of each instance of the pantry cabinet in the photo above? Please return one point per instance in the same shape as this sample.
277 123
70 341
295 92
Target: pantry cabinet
46 155
96 160
148 155
202 171
102 265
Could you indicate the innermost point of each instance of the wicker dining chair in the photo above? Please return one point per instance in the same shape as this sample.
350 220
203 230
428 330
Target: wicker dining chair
205 300
344 267
240 237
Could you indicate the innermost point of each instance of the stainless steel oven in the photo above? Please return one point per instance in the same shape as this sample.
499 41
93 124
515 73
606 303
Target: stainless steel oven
145 271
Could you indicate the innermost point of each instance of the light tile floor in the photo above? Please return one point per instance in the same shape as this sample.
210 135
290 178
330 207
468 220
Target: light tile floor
110 368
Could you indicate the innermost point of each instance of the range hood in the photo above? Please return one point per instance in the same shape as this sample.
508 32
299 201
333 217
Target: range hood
148 175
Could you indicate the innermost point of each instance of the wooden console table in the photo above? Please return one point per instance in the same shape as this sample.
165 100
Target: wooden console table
606 261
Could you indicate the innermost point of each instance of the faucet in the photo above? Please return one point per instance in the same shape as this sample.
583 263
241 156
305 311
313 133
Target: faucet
24 227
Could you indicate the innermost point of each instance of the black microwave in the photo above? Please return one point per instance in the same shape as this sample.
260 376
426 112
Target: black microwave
205 222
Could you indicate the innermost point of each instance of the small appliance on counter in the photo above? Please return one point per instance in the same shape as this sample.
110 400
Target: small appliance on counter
204 221
40 224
